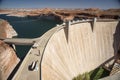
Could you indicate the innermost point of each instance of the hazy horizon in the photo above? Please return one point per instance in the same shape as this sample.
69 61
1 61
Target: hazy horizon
102 4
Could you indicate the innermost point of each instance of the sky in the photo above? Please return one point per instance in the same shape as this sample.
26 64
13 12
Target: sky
102 4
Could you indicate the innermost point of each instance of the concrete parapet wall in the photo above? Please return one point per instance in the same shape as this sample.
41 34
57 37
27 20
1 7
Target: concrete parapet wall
78 49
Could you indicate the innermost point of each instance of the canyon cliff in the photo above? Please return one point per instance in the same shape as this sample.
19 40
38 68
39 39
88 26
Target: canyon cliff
8 57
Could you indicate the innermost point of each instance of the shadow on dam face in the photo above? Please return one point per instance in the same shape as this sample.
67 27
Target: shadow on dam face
83 51
116 43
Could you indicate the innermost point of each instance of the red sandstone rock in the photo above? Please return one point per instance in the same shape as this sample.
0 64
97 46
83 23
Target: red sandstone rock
8 57
68 18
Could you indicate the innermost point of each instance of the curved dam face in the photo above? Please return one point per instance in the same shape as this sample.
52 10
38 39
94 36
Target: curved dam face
79 48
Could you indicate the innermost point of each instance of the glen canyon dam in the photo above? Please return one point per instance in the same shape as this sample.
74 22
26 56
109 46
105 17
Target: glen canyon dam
66 51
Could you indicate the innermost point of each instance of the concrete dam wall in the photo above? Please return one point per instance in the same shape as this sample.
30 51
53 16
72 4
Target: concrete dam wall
78 49
64 52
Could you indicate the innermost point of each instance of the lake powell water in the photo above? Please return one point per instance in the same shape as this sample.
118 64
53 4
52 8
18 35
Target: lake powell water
29 27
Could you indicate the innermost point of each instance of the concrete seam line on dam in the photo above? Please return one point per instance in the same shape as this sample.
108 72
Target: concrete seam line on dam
39 45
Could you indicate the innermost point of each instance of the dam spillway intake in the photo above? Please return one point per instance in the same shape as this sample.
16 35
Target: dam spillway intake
66 52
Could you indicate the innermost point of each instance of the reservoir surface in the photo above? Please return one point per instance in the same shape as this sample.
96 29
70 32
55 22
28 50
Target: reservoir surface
29 27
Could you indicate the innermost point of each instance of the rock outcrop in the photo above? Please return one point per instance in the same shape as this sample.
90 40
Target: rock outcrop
8 57
8 60
6 30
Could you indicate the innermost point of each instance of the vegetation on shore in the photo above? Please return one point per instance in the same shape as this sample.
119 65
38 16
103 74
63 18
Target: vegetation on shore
93 75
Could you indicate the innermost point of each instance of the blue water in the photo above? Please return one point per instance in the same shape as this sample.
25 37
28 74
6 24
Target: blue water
29 27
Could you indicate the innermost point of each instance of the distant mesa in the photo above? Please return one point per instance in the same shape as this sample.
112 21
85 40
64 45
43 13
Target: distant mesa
63 14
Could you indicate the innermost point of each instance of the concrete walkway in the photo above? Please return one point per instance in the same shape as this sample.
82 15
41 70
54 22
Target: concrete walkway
20 41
